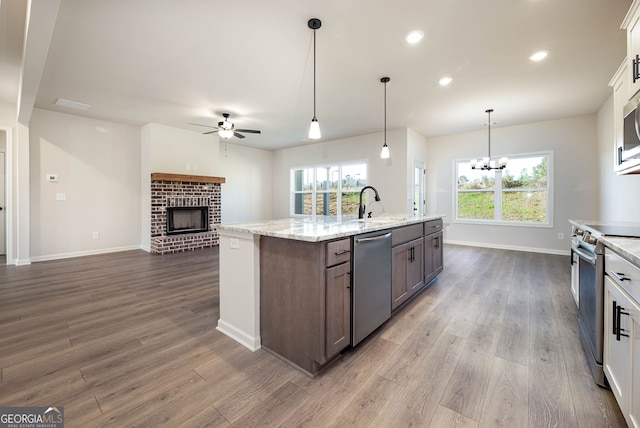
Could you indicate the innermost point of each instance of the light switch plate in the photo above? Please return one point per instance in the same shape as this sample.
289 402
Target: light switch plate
61 196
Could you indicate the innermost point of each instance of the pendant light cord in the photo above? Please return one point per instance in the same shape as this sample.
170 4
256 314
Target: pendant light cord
385 112
489 132
314 73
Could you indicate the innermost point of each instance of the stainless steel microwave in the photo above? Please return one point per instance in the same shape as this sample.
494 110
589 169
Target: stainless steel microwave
630 148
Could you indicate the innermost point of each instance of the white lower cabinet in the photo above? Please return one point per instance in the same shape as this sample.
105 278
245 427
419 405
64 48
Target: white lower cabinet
622 336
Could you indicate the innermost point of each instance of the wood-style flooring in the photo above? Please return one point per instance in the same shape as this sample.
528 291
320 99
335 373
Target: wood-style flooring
128 339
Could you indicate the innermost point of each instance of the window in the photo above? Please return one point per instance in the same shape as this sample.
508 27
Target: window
329 190
518 194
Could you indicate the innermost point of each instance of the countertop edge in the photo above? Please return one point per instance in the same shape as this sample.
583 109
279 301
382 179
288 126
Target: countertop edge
329 231
629 248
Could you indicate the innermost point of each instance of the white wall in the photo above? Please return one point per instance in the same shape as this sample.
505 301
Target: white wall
172 151
574 145
618 193
179 151
388 176
247 194
98 168
7 115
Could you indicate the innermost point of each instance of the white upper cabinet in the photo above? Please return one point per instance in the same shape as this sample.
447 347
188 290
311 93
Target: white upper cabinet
631 23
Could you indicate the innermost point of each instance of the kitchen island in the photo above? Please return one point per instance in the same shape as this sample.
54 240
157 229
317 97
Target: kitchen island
285 285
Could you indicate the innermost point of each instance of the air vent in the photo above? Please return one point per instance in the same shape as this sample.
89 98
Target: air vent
72 104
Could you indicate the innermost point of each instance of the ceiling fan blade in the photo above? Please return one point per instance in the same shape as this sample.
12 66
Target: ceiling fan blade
198 124
209 132
235 134
250 131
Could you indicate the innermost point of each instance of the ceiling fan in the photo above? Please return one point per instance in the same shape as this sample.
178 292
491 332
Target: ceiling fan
226 129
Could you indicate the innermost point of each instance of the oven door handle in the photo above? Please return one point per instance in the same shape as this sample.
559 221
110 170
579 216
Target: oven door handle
591 258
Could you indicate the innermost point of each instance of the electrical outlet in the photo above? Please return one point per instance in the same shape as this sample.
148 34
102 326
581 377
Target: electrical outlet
61 196
96 235
560 235
234 243
447 228
188 167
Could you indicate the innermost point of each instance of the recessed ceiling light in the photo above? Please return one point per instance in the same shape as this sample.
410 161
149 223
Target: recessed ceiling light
414 37
539 56
445 81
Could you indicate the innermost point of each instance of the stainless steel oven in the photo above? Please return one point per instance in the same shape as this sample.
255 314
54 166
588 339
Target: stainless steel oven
587 250
590 271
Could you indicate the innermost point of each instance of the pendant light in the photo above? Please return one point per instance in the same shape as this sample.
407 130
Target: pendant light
314 128
485 163
384 154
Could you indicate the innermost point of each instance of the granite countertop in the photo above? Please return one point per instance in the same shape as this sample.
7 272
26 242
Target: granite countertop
322 228
629 248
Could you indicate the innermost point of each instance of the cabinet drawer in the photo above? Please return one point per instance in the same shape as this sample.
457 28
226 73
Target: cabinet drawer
432 226
623 273
338 252
404 234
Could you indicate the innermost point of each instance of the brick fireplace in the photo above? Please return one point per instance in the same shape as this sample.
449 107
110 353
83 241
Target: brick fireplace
177 190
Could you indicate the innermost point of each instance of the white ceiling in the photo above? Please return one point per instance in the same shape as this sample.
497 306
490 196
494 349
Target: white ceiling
175 62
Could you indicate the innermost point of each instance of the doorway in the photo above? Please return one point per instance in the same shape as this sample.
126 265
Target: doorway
417 194
3 207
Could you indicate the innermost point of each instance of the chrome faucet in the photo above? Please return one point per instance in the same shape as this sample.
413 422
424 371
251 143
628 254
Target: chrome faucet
361 207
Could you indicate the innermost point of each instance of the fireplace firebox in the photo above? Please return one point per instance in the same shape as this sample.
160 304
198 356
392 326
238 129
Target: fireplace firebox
187 220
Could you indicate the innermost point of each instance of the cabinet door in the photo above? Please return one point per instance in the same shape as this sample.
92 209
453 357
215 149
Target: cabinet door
620 92
338 309
433 253
634 410
415 274
399 275
633 49
617 350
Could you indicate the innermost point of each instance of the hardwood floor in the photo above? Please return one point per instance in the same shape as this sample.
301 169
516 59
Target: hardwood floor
128 339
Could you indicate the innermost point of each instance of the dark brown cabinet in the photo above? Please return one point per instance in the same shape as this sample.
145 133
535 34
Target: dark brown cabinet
433 250
305 300
338 309
407 268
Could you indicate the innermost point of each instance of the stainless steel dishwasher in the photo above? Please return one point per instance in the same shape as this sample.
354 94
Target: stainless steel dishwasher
371 289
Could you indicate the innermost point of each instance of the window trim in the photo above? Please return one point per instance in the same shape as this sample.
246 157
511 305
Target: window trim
315 192
499 190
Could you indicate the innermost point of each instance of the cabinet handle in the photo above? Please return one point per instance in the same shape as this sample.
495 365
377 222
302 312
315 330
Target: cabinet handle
636 68
620 276
437 242
619 330
341 252
412 254
620 160
613 316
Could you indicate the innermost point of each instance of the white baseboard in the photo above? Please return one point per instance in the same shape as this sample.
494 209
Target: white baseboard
509 247
250 342
84 253
23 262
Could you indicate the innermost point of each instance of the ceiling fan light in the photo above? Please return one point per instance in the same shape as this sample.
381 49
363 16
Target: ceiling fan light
225 133
314 130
